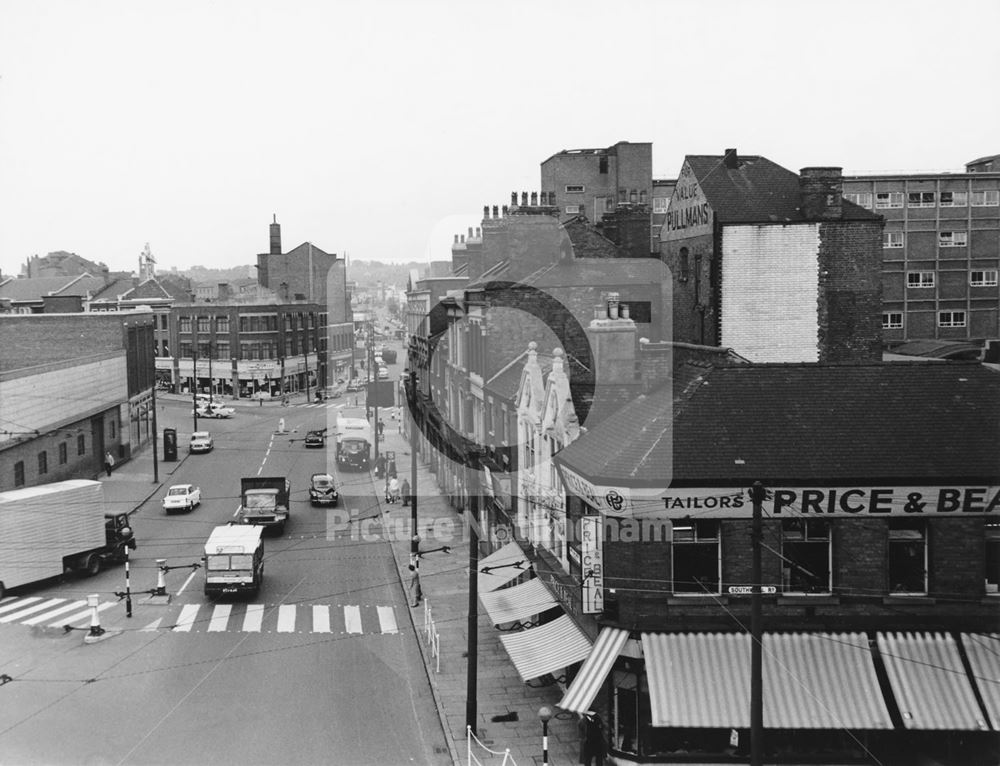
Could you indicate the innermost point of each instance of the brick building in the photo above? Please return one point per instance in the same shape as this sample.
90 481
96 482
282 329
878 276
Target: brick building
774 265
940 251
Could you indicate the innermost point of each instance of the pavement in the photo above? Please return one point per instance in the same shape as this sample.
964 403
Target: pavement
444 582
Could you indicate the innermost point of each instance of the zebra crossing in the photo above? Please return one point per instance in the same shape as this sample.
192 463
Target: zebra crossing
321 405
343 619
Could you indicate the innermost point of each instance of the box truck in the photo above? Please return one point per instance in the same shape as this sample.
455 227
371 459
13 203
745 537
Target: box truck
264 501
234 560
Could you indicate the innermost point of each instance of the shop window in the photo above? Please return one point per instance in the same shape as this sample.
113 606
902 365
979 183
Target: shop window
954 199
864 199
892 320
805 553
81 445
953 238
892 239
696 548
987 278
951 319
986 198
920 199
888 200
19 473
993 557
920 279
907 556
63 454
43 463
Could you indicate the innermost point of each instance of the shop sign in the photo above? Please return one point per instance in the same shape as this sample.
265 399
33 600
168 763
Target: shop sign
689 213
592 565
611 500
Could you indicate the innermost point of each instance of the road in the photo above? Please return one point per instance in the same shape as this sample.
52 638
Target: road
321 667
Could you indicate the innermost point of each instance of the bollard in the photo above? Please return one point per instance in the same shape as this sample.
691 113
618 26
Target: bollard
93 601
281 426
161 578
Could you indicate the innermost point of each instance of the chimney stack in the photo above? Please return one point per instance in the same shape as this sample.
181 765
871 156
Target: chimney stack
223 292
524 199
275 237
731 159
534 199
613 343
821 192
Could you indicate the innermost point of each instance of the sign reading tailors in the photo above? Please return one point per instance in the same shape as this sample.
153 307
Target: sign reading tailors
592 564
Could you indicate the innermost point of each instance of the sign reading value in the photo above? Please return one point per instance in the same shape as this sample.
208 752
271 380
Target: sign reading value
689 212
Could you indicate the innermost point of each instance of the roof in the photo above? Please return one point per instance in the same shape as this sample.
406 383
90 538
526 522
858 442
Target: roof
802 422
507 381
36 288
939 349
757 191
987 158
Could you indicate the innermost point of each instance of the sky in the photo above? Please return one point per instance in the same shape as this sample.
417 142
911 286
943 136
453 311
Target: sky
380 129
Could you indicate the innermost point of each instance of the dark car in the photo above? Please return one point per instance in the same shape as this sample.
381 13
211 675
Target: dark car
323 490
315 438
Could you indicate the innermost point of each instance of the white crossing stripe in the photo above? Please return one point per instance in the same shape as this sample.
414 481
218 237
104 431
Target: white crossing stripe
253 619
286 618
186 620
352 618
341 405
55 612
220 617
31 610
321 619
154 625
387 619
85 614
18 603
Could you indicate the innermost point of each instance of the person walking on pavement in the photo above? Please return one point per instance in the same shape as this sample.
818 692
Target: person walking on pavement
393 490
416 594
405 491
381 427
592 744
379 466
109 462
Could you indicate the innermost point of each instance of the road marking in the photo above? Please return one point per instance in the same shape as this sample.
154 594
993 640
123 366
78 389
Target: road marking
153 625
19 603
220 617
253 619
321 619
84 614
286 618
187 581
55 612
352 618
186 621
31 610
387 619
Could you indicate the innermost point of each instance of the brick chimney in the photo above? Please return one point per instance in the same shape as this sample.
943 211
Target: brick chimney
612 344
821 192
224 293
275 237
731 159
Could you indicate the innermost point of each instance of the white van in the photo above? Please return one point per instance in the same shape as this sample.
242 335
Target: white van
234 560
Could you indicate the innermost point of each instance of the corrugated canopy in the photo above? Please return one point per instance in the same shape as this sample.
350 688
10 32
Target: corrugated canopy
517 602
811 681
983 651
587 683
929 682
501 566
552 646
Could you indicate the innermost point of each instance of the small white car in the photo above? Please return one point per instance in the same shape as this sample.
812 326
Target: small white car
214 411
201 441
182 497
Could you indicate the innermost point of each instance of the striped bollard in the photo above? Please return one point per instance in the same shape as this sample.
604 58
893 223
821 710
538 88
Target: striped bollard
128 586
545 713
93 601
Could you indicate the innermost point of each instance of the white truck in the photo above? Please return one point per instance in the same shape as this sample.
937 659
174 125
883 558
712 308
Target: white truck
52 529
234 560
354 443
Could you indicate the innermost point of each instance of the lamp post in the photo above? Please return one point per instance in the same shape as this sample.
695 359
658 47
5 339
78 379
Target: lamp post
545 715
194 385
472 625
757 495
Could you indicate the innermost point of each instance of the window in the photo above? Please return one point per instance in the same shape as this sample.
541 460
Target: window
186 352
685 265
204 324
954 199
81 445
953 238
184 324
892 320
63 454
986 278
166 348
907 556
920 279
222 324
205 350
986 198
992 557
888 199
892 239
696 548
572 210
111 429
920 199
574 188
660 204
602 165
805 551
19 473
163 321
951 319
863 198
43 462
222 350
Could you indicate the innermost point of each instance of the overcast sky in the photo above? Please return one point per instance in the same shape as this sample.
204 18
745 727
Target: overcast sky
381 128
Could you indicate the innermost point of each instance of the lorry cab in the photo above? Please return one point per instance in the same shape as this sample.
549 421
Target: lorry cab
234 560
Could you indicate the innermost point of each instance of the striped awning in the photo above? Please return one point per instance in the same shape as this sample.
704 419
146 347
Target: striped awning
517 602
501 567
552 646
929 682
587 683
983 651
811 681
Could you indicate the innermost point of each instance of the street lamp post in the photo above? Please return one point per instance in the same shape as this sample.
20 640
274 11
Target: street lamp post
545 715
194 385
472 653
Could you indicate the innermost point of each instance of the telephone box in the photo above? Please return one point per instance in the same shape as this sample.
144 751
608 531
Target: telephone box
169 444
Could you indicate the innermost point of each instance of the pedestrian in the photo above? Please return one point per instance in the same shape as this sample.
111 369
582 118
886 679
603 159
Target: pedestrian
390 469
405 490
381 427
379 466
592 743
109 462
416 594
393 490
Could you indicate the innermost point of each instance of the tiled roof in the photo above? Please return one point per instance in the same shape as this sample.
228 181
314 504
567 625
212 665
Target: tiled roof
758 191
35 288
508 380
796 422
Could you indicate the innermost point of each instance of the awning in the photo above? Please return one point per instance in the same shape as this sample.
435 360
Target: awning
811 681
517 602
983 651
552 646
501 567
587 683
929 682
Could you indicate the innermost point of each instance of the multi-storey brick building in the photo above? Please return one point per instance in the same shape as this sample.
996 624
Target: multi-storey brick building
940 251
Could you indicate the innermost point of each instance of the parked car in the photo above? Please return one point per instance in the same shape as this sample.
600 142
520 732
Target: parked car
323 490
315 438
354 385
182 497
214 411
201 441
383 373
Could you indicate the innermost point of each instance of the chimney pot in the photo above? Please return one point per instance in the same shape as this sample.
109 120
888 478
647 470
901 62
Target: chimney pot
524 199
513 199
534 199
463 239
495 212
456 239
479 232
486 211
506 210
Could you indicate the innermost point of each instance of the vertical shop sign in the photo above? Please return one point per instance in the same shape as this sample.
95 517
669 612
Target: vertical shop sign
592 564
